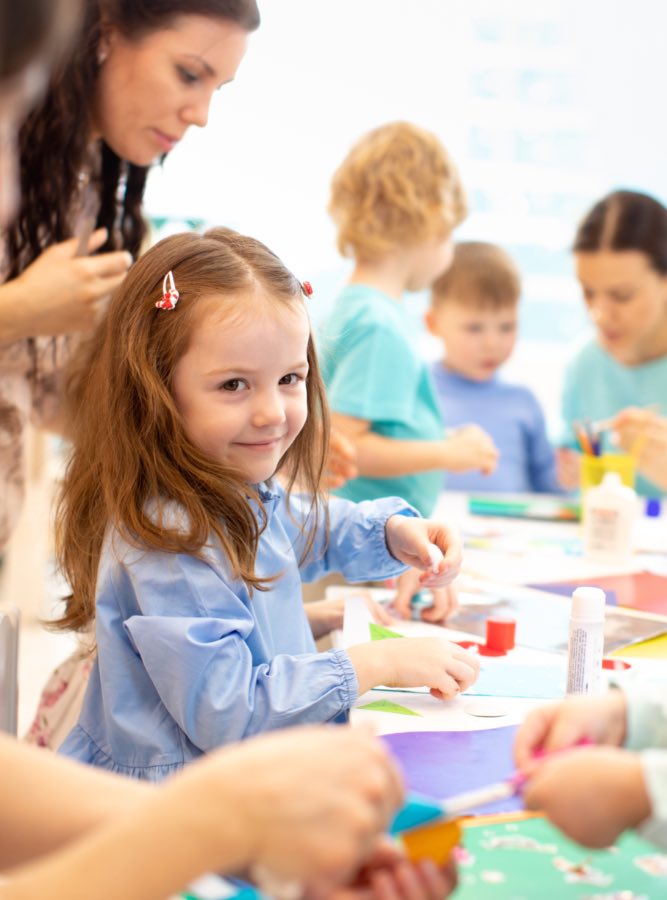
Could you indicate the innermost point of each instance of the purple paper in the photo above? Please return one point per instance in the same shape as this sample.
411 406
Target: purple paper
440 764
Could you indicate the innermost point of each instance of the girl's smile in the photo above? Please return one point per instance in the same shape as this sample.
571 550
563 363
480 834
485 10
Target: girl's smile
241 385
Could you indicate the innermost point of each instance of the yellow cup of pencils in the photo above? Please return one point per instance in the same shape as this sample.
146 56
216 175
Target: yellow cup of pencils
594 468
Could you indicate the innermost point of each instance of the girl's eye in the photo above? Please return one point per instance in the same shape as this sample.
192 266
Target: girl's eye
292 378
234 384
186 75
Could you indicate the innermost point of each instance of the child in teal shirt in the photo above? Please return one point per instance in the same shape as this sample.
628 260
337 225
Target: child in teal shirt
396 199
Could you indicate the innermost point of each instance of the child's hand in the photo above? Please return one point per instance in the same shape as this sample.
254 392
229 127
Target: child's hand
561 725
590 793
421 543
310 803
469 447
325 616
445 602
568 468
341 461
445 668
388 875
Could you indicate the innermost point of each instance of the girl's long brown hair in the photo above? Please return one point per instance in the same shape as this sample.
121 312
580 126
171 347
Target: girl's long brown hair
129 445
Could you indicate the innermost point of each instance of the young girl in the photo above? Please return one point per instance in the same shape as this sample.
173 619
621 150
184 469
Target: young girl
200 386
621 260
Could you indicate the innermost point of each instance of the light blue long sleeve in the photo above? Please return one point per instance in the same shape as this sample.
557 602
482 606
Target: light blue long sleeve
647 732
188 660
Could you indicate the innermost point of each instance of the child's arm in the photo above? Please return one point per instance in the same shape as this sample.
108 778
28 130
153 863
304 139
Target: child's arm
557 726
591 793
46 800
308 804
468 447
445 668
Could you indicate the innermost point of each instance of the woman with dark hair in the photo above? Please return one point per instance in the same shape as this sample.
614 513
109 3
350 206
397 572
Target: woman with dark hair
138 77
620 252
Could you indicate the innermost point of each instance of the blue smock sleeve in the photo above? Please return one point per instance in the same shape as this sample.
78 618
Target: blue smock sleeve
356 545
199 643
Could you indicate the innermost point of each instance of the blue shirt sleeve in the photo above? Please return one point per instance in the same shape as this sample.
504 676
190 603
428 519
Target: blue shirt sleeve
201 664
541 456
376 379
355 544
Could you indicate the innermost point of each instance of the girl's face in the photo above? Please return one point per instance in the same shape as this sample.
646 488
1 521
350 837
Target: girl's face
627 302
152 89
241 385
17 96
478 340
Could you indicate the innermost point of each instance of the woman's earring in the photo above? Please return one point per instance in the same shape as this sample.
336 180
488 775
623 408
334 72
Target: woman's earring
102 54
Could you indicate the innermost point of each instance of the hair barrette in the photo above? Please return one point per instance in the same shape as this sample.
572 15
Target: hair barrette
169 294
307 288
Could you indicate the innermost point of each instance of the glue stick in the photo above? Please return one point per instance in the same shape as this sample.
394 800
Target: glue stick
586 641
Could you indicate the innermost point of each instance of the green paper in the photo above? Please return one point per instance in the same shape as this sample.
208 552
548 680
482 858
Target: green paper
379 633
531 858
388 706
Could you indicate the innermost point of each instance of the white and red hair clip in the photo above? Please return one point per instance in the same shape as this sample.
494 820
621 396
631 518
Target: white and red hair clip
307 288
169 294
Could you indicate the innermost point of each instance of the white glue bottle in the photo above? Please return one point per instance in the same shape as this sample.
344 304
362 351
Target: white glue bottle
586 641
609 512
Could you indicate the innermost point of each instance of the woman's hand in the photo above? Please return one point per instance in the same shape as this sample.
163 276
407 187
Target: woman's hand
568 468
60 292
643 433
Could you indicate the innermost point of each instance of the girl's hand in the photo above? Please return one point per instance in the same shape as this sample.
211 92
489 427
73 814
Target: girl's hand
421 543
341 462
445 668
568 468
590 793
60 291
325 616
445 602
469 447
388 875
558 726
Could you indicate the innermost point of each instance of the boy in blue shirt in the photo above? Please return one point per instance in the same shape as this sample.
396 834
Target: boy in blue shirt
474 310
